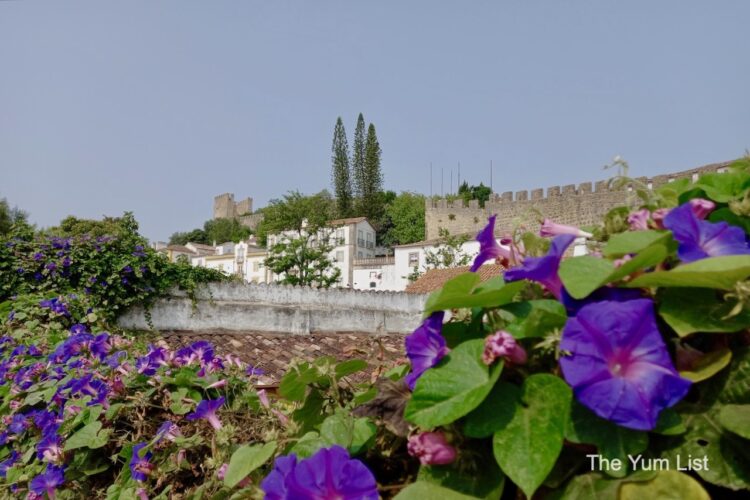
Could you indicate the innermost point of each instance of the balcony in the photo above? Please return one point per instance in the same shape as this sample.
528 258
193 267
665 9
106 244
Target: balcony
374 262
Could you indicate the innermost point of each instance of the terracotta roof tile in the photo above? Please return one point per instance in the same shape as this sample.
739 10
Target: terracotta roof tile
436 278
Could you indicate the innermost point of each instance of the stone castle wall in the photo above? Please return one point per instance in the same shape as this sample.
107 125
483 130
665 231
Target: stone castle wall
226 208
580 205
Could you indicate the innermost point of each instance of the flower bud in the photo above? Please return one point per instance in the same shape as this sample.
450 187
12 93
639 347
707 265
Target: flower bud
638 220
501 344
431 448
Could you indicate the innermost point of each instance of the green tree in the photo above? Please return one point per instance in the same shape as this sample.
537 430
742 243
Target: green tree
448 254
303 260
223 230
404 219
342 185
371 203
194 236
10 216
480 192
358 157
73 226
296 212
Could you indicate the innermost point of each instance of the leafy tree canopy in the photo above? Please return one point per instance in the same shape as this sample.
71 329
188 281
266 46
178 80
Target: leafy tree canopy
404 219
480 192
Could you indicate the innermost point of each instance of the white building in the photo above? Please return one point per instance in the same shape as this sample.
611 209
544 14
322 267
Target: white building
243 259
352 239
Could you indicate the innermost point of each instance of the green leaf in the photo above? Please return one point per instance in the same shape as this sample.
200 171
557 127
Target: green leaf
476 475
459 293
690 310
293 385
582 275
595 486
350 366
535 318
667 484
457 385
422 490
89 436
736 418
633 242
708 365
311 413
649 257
611 440
724 187
494 413
528 446
669 423
245 460
714 272
727 454
354 434
308 444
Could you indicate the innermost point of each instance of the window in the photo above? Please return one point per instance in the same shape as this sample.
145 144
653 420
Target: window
340 256
359 255
373 284
413 259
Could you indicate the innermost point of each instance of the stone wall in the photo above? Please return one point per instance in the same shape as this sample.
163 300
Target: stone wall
282 309
580 205
226 208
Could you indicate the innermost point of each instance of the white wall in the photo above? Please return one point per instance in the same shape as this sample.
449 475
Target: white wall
282 309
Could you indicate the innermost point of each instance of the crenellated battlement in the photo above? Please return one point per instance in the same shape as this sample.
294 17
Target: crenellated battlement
581 204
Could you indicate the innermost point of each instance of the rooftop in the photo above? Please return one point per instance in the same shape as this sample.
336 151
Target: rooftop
434 279
346 222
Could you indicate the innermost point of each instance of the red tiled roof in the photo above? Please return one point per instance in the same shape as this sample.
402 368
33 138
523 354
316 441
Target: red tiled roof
435 278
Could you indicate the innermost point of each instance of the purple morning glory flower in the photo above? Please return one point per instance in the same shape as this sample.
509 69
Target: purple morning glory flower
543 270
489 249
206 409
78 328
49 448
329 473
618 365
698 239
38 256
140 467
47 482
425 347
168 431
252 371
8 463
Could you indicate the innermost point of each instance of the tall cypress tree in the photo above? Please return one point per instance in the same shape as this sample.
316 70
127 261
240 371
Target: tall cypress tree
372 182
358 158
340 174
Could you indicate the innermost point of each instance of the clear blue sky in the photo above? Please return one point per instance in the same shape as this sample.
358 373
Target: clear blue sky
156 106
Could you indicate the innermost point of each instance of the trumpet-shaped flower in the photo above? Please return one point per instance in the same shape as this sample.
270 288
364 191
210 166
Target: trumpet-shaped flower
618 364
329 473
425 347
47 482
206 409
544 269
140 465
550 229
698 239
489 248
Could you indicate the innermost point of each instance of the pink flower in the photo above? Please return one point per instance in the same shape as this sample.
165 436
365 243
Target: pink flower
263 397
638 220
219 383
658 216
431 448
550 229
501 344
701 207
221 471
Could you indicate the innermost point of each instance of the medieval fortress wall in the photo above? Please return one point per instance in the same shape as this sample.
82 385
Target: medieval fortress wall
226 208
580 205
